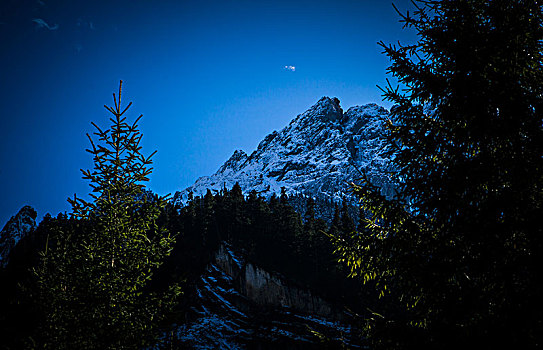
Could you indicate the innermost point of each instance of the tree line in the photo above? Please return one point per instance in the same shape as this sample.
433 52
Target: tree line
270 233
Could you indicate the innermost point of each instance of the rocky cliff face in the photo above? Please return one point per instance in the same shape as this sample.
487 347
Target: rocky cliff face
16 228
239 305
317 154
269 289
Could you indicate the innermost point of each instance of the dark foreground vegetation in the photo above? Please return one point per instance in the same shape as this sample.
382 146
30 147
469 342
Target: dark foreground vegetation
454 258
460 246
269 233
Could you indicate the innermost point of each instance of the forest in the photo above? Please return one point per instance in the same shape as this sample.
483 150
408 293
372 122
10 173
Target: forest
453 260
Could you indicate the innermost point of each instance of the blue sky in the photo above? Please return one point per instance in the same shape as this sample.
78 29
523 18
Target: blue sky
208 76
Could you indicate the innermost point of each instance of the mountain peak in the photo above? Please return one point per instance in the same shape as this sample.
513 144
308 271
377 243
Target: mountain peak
317 154
359 119
328 109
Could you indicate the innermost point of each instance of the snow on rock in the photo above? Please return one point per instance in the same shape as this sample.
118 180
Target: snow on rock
317 154
238 308
16 228
267 288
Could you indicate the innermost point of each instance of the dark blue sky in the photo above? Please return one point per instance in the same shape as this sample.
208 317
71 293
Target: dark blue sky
208 76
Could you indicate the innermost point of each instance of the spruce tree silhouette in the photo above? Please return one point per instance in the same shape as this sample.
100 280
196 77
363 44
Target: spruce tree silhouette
94 276
459 249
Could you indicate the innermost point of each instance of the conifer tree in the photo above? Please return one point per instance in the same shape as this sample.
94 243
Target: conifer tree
274 203
210 232
94 277
309 218
283 197
335 226
460 247
235 203
361 226
347 225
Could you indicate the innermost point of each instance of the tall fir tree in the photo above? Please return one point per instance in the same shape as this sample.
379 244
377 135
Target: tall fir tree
460 247
94 276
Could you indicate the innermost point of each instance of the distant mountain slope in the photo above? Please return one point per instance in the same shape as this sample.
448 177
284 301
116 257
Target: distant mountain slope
16 228
317 154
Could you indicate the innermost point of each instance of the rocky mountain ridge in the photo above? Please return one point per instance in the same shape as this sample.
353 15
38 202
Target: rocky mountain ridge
318 154
18 227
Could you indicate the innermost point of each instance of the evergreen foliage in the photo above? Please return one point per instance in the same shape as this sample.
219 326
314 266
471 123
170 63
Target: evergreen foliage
304 256
94 275
19 317
459 249
271 234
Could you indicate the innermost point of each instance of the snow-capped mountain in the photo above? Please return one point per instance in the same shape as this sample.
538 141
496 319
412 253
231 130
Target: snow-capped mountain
16 228
317 154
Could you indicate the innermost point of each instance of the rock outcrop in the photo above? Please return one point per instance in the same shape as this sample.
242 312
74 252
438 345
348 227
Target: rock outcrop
18 227
270 289
239 305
